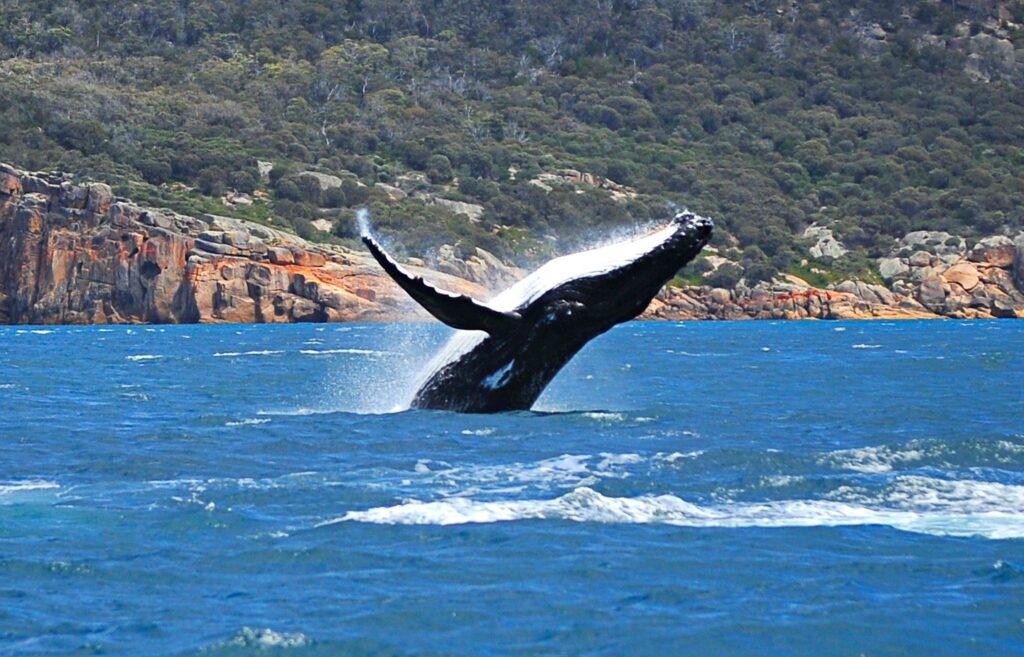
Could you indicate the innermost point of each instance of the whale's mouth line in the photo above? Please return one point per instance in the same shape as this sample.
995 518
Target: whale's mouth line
681 221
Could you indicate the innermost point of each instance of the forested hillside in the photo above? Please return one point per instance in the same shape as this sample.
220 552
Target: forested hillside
526 127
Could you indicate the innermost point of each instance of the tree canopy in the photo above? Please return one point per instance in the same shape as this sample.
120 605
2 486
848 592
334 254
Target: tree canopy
874 118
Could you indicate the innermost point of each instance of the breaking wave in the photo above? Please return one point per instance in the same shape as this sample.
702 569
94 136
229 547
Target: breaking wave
914 504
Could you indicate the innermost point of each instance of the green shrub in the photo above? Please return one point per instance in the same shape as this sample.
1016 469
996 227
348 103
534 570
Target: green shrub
439 169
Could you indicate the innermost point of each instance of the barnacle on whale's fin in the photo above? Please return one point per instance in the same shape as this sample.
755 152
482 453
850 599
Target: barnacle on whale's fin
456 310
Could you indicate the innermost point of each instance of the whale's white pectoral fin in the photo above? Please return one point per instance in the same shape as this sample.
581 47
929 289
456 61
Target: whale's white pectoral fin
456 310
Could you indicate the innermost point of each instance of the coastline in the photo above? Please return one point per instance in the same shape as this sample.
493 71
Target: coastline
74 254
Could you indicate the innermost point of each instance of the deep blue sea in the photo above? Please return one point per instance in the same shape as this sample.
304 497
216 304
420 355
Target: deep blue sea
811 488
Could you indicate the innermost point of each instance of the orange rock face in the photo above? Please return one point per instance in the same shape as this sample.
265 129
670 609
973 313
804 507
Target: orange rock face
74 254
783 302
964 275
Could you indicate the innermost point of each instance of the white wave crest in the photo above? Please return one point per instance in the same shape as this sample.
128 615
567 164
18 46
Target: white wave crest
143 357
9 487
611 461
926 494
873 460
1007 447
586 505
235 354
692 354
360 352
867 346
780 481
604 416
298 412
922 505
673 457
247 422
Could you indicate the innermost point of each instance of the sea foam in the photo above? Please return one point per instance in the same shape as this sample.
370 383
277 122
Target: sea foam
264 639
916 504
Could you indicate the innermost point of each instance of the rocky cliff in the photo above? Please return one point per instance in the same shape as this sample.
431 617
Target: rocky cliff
74 254
928 274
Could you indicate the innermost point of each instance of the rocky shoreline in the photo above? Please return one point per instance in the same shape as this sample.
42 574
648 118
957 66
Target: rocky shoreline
74 254
929 275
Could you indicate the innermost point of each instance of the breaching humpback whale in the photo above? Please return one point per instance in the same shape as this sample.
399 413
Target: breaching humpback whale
509 348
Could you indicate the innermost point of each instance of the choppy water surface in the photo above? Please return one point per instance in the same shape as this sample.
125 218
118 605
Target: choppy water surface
697 488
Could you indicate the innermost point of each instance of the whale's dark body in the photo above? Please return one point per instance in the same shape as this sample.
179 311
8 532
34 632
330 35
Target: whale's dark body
510 348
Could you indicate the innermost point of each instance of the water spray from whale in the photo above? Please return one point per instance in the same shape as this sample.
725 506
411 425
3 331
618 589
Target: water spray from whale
363 222
508 349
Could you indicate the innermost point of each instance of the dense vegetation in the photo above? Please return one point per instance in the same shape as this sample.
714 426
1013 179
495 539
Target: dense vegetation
767 115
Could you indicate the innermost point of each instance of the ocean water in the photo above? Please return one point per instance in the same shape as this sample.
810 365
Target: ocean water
681 489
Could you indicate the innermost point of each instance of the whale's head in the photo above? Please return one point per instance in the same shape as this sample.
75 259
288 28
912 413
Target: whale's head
615 283
692 226
690 233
